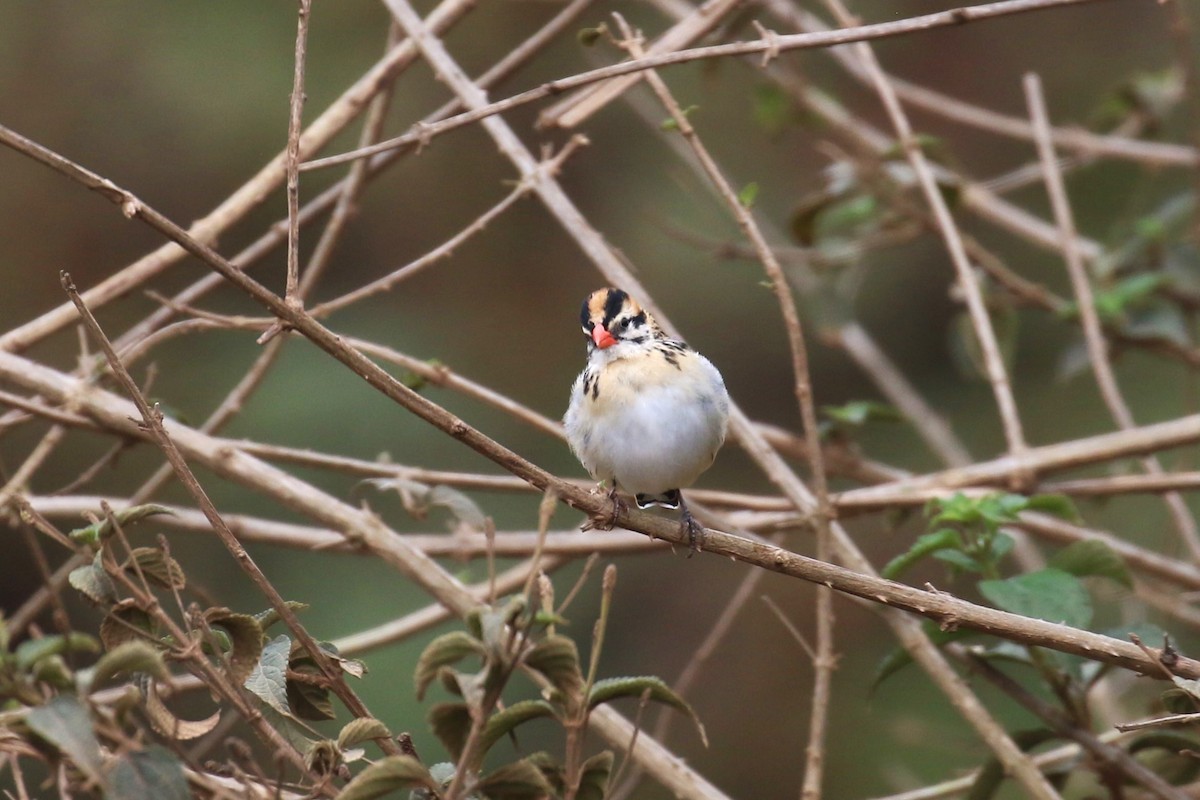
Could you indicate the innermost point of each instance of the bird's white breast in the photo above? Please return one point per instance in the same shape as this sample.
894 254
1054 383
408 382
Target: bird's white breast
651 423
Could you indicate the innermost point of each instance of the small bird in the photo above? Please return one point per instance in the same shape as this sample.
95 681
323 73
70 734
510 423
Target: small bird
648 413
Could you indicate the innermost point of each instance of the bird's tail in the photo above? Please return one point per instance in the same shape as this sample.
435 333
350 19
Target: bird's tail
668 499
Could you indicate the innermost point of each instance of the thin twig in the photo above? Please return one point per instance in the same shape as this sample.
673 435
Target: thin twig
985 335
770 46
152 419
1097 347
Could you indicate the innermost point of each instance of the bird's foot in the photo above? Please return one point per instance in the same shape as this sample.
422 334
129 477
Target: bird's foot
598 523
693 529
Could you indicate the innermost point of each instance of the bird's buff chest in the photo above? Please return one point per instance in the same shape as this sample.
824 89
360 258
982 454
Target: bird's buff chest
628 382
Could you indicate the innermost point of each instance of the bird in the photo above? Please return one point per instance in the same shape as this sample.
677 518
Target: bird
648 413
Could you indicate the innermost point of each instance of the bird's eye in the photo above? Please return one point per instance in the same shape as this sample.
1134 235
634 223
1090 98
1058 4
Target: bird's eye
625 322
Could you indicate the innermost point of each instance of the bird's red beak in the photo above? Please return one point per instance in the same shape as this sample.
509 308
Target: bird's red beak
602 337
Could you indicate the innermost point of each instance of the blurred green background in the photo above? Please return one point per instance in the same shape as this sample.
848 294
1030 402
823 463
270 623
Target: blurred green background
183 102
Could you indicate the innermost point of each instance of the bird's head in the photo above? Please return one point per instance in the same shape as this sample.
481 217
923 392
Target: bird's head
612 320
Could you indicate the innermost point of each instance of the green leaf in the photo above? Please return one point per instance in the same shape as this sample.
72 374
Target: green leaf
246 640
589 36
99 531
748 194
609 689
944 539
31 651
773 108
153 772
157 566
1092 558
1058 505
451 724
859 412
362 729
504 722
1049 594
443 651
66 724
126 658
670 124
557 658
959 559
388 775
593 780
520 780
267 680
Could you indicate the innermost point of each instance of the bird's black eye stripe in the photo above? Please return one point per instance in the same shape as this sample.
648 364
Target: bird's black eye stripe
637 319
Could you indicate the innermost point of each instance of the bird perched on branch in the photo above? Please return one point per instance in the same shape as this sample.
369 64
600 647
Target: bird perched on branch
648 413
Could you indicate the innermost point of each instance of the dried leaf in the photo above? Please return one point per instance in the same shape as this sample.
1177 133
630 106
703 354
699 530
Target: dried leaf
163 720
360 730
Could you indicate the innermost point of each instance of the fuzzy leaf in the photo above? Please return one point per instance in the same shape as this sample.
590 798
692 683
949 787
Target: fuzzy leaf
158 567
121 623
153 772
360 730
609 689
594 775
66 724
267 680
388 775
443 651
93 582
99 531
307 700
1049 594
129 657
944 539
323 756
557 658
246 640
451 724
503 722
1092 558
520 780
266 619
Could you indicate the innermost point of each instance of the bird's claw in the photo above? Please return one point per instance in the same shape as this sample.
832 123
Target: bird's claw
597 523
694 531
